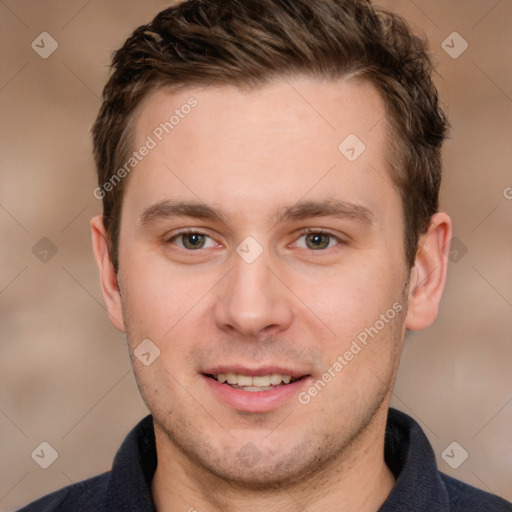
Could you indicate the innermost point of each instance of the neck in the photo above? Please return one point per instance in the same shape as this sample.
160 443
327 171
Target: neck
356 479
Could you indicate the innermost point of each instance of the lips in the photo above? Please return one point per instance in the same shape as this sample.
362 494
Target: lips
254 390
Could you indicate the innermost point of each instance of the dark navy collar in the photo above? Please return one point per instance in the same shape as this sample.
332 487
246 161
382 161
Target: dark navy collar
408 454
129 481
420 487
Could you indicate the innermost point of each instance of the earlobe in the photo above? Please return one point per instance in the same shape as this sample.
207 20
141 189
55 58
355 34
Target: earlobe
428 276
108 276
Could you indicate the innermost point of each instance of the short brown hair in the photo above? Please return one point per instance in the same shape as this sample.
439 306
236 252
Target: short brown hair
247 43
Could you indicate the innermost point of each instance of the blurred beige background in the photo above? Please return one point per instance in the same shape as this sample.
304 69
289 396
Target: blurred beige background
64 370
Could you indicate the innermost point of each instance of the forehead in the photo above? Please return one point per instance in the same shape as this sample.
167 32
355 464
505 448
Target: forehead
289 137
316 108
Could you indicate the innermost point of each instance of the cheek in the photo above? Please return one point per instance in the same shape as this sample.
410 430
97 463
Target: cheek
349 299
153 299
161 302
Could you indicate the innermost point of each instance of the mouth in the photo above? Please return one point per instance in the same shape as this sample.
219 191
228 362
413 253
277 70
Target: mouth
254 383
254 390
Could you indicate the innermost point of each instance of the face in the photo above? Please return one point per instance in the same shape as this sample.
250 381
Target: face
268 270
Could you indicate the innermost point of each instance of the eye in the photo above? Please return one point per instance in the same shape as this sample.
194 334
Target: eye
316 241
192 240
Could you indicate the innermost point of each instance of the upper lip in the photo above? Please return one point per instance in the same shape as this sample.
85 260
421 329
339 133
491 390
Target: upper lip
255 372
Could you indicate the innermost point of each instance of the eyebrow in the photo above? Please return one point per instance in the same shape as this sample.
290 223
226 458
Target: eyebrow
327 208
168 209
299 211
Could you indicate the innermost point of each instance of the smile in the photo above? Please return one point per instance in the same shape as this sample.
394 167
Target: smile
253 383
255 390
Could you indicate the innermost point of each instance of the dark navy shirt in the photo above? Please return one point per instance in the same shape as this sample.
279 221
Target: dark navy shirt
420 486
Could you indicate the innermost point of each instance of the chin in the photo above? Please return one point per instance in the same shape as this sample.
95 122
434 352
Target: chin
255 467
264 474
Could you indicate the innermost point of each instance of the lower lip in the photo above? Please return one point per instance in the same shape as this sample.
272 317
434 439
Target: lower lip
255 401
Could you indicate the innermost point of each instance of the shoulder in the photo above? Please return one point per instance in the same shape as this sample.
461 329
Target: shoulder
465 498
85 496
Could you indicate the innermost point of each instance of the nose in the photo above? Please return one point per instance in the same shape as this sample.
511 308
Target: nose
252 301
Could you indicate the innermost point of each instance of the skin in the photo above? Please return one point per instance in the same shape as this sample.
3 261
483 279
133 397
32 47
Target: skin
253 154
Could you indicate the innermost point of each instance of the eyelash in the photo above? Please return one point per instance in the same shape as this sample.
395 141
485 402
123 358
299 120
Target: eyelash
187 232
303 232
309 231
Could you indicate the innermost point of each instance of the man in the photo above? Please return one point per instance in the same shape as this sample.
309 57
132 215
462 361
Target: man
270 172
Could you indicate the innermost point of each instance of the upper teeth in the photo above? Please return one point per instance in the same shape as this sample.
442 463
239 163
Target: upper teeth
260 381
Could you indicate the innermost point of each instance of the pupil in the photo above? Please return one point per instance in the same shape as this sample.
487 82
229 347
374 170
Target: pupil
318 240
194 240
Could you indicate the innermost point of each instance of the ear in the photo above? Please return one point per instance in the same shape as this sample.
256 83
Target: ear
428 276
108 276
